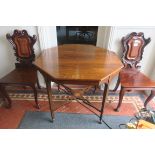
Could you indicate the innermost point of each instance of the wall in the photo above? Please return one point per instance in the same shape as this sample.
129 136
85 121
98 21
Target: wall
7 58
47 36
103 36
148 61
48 39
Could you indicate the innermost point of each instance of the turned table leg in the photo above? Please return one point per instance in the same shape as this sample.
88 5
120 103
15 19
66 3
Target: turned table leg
50 97
105 94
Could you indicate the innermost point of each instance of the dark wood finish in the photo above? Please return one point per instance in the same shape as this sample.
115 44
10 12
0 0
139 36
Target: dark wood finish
130 77
105 93
50 98
25 72
133 48
150 97
23 45
77 64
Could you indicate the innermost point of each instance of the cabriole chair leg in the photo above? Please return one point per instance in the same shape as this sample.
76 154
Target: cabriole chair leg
121 94
35 96
150 97
117 85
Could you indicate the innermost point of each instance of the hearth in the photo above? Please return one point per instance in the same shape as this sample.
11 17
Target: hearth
77 34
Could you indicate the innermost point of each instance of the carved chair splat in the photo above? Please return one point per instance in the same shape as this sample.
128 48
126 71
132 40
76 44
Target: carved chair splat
130 77
25 73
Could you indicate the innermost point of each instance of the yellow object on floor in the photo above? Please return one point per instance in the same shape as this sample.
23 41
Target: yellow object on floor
142 124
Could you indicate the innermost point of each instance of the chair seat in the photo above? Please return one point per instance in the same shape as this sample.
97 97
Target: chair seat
135 79
20 76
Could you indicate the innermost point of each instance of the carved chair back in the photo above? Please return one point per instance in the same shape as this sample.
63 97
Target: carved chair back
23 46
133 48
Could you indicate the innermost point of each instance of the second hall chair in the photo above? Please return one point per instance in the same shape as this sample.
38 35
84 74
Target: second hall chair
130 77
24 74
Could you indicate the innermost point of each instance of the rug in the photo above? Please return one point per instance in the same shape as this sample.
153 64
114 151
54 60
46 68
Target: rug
131 104
23 102
41 120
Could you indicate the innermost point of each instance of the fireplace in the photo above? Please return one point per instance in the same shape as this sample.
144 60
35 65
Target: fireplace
77 34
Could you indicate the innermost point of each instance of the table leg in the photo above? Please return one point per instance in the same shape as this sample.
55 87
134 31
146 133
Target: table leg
50 97
105 93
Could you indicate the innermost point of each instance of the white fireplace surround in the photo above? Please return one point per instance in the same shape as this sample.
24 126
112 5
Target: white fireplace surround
48 36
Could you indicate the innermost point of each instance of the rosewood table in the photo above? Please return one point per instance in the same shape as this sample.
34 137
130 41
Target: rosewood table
78 64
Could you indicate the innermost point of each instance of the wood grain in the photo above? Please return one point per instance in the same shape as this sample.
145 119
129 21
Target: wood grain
78 63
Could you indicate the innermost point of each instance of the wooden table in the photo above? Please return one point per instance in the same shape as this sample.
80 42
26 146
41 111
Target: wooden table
78 64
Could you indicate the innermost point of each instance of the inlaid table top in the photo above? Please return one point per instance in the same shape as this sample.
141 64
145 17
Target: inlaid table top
76 62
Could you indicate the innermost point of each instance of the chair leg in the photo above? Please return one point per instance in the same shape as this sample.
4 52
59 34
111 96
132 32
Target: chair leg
58 87
117 84
121 94
149 98
35 96
95 87
5 96
38 85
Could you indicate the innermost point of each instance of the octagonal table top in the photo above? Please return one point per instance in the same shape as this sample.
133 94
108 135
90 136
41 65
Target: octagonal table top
77 62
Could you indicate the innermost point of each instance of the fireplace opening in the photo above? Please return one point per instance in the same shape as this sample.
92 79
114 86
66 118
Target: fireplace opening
77 34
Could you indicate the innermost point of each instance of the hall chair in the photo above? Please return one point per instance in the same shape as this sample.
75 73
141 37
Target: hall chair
130 78
24 74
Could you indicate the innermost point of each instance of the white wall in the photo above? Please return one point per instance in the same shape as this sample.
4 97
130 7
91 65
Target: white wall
103 36
47 36
148 61
48 39
7 58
